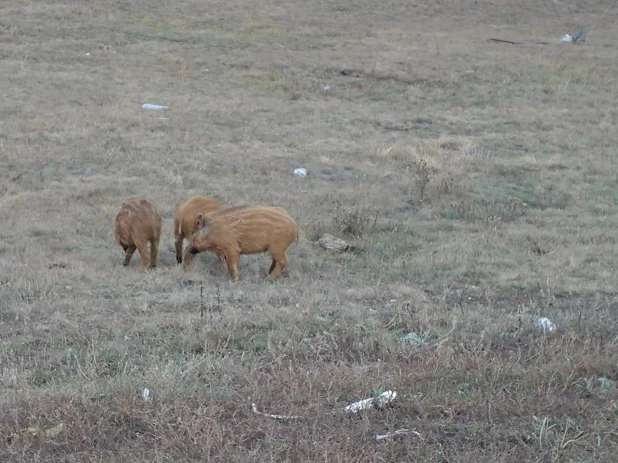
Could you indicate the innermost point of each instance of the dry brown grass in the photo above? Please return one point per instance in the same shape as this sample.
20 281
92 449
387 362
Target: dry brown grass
474 181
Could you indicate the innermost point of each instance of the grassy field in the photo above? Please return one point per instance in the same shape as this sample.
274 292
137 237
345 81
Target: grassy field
476 181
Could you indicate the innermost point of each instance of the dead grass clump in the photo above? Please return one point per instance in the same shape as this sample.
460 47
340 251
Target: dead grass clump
436 166
354 222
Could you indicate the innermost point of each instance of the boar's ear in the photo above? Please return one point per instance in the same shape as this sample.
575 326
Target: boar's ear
199 221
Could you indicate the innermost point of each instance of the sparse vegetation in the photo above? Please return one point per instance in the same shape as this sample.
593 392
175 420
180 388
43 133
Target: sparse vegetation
474 181
353 222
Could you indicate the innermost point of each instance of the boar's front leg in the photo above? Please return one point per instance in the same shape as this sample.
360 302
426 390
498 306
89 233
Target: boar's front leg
221 257
154 252
232 258
188 256
179 239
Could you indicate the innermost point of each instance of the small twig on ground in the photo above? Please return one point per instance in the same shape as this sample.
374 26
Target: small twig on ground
202 301
491 39
277 417
399 432
218 298
512 42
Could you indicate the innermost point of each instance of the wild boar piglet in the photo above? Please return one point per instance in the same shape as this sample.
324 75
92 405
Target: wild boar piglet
138 223
246 230
185 221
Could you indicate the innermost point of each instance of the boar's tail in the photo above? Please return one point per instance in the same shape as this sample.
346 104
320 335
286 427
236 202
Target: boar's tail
297 236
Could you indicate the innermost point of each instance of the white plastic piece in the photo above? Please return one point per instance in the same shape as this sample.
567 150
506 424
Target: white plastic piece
545 324
153 106
300 172
378 401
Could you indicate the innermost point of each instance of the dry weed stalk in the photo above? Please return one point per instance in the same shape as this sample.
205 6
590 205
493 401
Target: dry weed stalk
440 161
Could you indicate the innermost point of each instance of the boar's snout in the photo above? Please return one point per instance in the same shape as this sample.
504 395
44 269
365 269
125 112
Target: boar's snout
193 250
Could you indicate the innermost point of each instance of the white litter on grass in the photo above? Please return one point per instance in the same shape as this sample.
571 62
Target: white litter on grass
576 36
399 432
372 402
545 324
145 393
153 106
300 172
277 417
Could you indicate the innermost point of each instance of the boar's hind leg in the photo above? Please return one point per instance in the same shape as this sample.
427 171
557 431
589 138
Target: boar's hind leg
143 252
278 264
129 250
154 251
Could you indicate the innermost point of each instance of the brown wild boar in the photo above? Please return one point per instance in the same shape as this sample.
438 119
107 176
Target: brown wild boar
185 220
246 230
137 223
